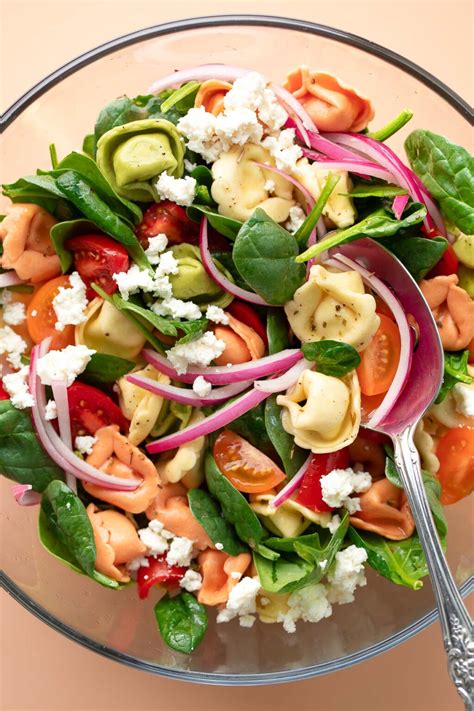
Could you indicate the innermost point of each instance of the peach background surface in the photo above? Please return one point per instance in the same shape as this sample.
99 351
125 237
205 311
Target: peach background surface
42 670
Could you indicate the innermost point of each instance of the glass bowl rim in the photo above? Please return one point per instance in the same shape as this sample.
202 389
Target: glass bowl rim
459 104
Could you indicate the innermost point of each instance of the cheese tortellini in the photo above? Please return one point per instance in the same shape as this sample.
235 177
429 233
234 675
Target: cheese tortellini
107 330
333 305
140 406
272 607
240 186
289 519
193 282
330 417
186 464
339 208
426 446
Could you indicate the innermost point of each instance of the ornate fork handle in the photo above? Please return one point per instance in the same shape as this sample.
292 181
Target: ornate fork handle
456 624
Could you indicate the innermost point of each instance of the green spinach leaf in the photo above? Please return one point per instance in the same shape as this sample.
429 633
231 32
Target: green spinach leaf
41 190
291 455
455 371
303 232
282 575
266 552
226 226
208 513
62 231
379 190
182 621
418 254
332 357
251 426
277 331
184 96
103 369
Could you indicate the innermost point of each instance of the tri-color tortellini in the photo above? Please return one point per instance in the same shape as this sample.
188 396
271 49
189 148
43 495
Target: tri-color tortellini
140 406
322 413
132 156
192 281
107 330
339 208
289 519
333 305
185 464
240 186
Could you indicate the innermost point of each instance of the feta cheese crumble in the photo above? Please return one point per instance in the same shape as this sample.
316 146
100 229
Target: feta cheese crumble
238 127
242 602
217 315
338 485
199 127
464 398
219 546
70 303
284 149
156 245
179 190
140 562
13 313
12 345
200 352
180 551
176 308
84 444
346 575
334 524
202 388
63 365
251 92
16 385
50 411
134 280
168 264
296 218
309 604
191 581
269 186
155 537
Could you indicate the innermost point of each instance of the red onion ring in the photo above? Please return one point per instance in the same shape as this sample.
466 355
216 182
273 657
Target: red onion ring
363 169
188 397
309 198
399 204
59 389
285 381
25 496
292 485
10 279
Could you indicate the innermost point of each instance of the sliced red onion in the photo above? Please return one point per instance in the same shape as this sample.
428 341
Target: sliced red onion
220 279
291 179
291 487
225 375
298 110
365 169
285 381
214 422
406 334
59 389
399 204
55 447
25 496
188 397
10 279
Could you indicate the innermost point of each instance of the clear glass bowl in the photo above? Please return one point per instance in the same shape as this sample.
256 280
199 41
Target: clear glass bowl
62 109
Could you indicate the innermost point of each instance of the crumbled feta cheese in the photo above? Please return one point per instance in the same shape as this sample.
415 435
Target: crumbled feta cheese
140 562
168 264
189 166
180 552
70 303
236 575
309 604
132 281
296 218
217 315
191 581
200 352
63 365
16 385
176 308
322 563
264 601
284 149
179 190
162 287
242 600
155 537
251 92
12 345
247 620
199 127
219 546
338 485
84 444
156 245
202 388
464 398
238 127
334 524
346 574
34 313
50 411
269 186
13 313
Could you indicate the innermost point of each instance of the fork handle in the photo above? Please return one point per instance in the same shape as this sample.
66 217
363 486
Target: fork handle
456 624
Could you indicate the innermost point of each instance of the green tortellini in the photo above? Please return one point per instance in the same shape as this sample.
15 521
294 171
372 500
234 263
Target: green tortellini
132 156
192 281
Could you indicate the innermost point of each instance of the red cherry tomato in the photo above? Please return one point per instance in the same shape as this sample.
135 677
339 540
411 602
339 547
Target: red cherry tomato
246 314
448 264
170 219
3 393
455 452
310 494
96 258
90 409
158 571
375 437
380 359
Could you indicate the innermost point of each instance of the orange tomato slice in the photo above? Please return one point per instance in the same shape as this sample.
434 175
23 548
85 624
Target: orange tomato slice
41 317
455 452
380 359
248 469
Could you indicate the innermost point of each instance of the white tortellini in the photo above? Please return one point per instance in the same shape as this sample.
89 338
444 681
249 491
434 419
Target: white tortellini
140 406
426 446
186 464
288 520
107 330
271 607
240 186
330 417
339 207
333 305
450 412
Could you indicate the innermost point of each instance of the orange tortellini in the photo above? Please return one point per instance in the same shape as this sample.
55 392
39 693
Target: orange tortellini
107 330
330 417
289 519
140 406
452 309
211 95
170 506
220 573
385 510
339 208
333 305
240 186
186 464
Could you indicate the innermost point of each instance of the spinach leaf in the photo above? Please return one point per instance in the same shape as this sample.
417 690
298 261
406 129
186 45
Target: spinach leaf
332 357
455 371
291 455
68 519
380 190
282 575
62 231
103 368
264 254
447 170
379 224
40 190
251 426
322 553
277 331
393 126
226 226
116 113
303 232
21 456
185 96
208 513
182 621
234 506
418 254
402 562
266 552
88 145
287 545
202 193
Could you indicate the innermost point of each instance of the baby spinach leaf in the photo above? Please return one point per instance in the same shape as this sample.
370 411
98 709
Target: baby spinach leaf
88 145
235 507
304 230
266 552
379 224
264 254
392 126
332 357
103 368
182 621
277 331
276 576
402 562
447 170
322 553
455 371
186 92
62 231
202 193
208 513
116 113
41 190
418 254
380 190
21 456
251 426
226 226
67 516
287 545
291 455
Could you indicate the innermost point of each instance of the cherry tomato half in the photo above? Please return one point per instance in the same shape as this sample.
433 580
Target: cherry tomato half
41 316
310 494
248 469
448 264
167 218
380 359
96 258
246 314
3 393
158 571
90 409
455 452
